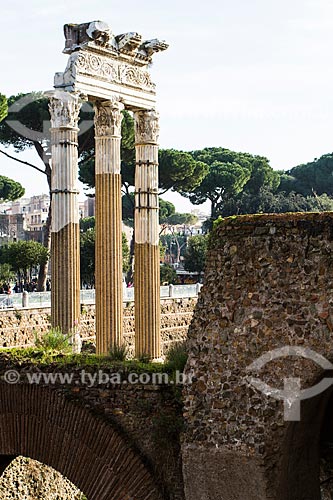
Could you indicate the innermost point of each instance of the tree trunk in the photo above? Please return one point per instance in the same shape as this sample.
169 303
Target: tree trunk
130 272
212 209
44 155
178 251
43 269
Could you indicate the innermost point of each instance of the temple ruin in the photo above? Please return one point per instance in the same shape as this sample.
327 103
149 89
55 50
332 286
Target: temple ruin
112 73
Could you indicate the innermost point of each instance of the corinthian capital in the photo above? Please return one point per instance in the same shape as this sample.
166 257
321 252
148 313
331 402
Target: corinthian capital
108 118
64 109
146 127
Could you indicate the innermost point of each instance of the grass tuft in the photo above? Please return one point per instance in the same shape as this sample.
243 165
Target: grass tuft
176 357
118 352
53 343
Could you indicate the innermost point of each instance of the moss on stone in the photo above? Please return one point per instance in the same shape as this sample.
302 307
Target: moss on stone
34 357
236 220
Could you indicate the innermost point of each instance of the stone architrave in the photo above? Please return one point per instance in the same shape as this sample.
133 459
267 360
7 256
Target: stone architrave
65 242
108 277
102 64
147 254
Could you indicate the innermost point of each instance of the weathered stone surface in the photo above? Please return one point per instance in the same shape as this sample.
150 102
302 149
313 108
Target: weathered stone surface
26 479
268 284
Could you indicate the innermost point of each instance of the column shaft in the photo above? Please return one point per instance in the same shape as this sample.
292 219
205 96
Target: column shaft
109 276
147 258
65 242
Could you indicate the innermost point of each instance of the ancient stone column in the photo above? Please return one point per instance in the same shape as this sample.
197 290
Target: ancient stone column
147 256
65 245
108 274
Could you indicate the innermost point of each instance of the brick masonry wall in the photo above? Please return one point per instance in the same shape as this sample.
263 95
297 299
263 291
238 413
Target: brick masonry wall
18 327
135 409
132 429
268 284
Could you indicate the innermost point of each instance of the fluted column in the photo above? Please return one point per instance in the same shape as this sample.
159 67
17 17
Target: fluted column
65 243
108 274
147 255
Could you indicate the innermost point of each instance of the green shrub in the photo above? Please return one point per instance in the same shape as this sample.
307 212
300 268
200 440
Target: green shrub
54 342
168 275
176 357
118 352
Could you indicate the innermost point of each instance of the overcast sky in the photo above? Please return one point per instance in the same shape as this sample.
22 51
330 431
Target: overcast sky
253 76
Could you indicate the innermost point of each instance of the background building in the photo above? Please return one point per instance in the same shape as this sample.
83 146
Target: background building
24 219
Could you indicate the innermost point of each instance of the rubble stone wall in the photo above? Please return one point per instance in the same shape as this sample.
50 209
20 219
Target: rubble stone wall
268 284
18 327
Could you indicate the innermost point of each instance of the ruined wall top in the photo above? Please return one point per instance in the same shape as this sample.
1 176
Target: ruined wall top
98 34
102 65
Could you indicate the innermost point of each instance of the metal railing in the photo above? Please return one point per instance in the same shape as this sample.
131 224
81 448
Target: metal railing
43 299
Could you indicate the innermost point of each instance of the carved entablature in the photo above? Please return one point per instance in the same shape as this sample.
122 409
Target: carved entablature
101 64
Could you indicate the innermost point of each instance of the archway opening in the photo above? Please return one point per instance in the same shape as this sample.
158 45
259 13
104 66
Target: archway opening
88 449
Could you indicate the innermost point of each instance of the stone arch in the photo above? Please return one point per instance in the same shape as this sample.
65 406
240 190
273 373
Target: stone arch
44 425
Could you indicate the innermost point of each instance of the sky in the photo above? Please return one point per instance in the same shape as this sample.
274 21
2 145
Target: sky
253 76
